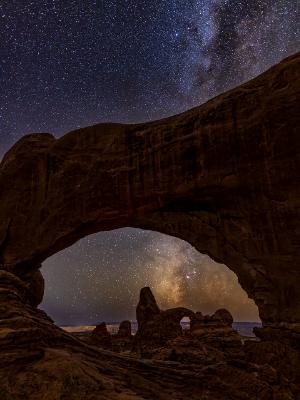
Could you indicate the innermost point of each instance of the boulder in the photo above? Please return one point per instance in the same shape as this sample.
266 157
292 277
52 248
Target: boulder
101 337
124 330
222 317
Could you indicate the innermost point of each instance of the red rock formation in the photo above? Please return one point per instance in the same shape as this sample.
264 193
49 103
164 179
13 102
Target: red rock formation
156 327
223 176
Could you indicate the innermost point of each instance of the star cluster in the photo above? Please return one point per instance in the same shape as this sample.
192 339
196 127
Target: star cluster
69 64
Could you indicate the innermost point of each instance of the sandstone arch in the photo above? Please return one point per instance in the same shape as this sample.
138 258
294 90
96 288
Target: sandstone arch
223 176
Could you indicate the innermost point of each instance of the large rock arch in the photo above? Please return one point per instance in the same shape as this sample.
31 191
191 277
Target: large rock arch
223 176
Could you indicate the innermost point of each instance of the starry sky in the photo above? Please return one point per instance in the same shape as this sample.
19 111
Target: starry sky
99 279
69 64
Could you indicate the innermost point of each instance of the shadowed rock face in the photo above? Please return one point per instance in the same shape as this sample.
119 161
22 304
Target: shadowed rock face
223 176
223 316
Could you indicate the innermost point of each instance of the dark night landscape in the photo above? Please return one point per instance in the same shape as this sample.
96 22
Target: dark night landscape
150 200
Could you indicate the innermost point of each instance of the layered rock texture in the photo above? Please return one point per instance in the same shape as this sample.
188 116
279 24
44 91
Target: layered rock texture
223 176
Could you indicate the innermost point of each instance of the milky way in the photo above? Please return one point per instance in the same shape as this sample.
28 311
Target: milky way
68 64
100 278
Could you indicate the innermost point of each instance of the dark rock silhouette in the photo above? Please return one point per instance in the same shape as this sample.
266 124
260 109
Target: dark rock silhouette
223 176
122 341
223 316
124 330
156 327
101 337
147 308
159 329
216 332
220 319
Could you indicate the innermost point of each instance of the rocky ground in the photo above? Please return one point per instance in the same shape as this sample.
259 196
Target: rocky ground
40 361
211 361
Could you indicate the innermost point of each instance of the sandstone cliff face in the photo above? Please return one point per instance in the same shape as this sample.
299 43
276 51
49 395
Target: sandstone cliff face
223 176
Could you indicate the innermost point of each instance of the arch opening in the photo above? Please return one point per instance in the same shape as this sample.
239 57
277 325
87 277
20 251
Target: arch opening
185 324
99 279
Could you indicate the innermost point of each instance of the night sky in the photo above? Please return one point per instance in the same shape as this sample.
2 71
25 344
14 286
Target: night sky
69 64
